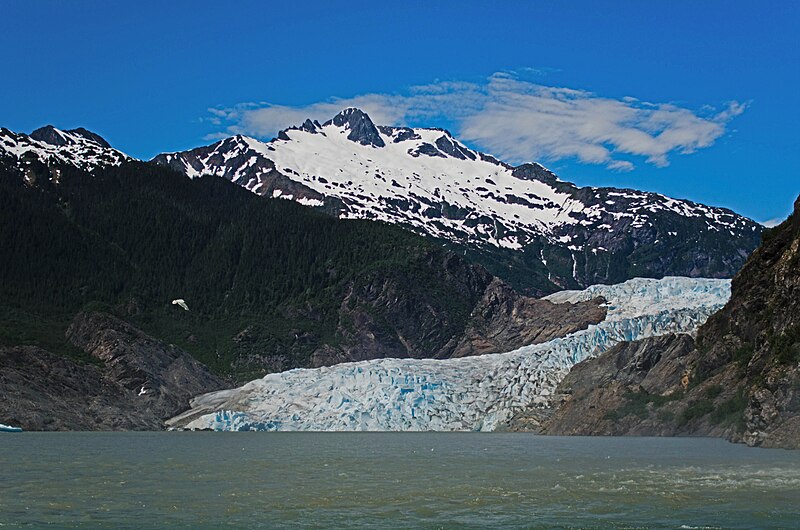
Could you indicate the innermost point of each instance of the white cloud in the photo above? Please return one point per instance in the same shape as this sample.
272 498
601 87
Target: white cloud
518 120
773 222
620 165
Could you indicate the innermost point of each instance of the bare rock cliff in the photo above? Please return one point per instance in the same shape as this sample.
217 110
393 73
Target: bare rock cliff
740 378
134 383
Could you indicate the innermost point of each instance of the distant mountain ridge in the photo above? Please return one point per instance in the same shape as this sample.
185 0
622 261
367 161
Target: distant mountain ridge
47 145
522 223
521 217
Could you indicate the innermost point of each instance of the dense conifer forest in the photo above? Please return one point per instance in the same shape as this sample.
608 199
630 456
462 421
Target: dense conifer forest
256 273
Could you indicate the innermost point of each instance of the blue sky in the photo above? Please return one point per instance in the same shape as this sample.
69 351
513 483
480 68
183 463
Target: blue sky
696 100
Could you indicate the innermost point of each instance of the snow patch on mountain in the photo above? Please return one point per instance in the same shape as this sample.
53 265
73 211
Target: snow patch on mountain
472 393
51 146
426 179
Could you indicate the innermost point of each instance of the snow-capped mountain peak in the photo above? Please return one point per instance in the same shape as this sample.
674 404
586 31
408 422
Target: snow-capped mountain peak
52 147
50 135
427 180
520 221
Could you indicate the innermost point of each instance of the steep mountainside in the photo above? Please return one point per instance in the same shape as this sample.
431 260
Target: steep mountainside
133 381
757 338
523 223
739 379
270 285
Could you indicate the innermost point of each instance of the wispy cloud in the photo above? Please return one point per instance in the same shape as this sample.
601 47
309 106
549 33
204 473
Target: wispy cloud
773 222
517 120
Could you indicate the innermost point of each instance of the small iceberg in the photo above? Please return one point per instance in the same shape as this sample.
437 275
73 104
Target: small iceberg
9 428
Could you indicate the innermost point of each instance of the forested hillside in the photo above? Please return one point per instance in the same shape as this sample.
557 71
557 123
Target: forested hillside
268 282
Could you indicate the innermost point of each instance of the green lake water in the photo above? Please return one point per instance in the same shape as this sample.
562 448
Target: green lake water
391 480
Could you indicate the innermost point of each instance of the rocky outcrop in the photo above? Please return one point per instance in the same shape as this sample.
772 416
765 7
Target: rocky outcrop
756 338
381 321
361 128
504 320
636 388
163 376
46 392
133 382
740 379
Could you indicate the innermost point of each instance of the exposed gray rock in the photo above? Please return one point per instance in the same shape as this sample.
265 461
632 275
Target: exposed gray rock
740 380
362 130
136 383
399 134
591 397
49 135
45 392
163 376
378 321
446 145
503 320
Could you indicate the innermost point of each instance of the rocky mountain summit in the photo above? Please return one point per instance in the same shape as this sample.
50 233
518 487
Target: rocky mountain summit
739 379
47 148
523 217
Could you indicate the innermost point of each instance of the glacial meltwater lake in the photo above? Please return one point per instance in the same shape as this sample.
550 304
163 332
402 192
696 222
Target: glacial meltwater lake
391 480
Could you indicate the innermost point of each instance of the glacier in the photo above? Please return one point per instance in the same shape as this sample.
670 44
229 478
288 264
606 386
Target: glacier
464 394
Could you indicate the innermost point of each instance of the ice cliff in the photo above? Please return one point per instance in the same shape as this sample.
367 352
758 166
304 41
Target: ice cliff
466 394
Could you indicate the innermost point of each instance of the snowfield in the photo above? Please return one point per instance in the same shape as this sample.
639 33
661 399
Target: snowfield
426 179
466 394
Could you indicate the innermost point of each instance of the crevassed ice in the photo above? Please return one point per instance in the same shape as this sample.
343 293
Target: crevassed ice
466 394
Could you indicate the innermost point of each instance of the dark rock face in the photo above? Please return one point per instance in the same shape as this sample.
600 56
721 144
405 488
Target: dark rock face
740 379
538 172
48 135
137 383
382 320
428 150
632 389
662 243
399 134
45 392
446 144
89 135
307 126
163 376
362 130
504 320
757 336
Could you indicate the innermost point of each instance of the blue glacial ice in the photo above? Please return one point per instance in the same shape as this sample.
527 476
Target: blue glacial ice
465 394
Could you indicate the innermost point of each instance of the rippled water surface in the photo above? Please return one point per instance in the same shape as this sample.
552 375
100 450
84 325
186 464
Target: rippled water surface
291 480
